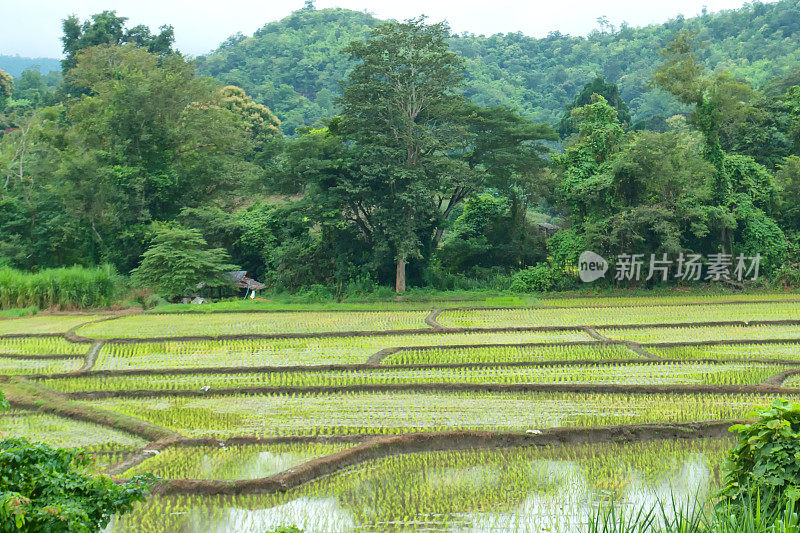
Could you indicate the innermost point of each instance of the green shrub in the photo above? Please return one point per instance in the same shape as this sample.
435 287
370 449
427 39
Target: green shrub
767 458
47 489
315 294
360 286
57 490
761 235
537 278
544 277
566 246
154 300
788 275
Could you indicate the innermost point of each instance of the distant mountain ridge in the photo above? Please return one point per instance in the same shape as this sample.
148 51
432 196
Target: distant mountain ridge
293 65
15 65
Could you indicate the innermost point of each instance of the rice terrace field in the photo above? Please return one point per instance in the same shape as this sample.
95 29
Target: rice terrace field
427 418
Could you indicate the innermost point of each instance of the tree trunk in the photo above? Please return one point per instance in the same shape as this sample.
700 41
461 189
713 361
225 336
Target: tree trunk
400 280
724 238
457 196
438 236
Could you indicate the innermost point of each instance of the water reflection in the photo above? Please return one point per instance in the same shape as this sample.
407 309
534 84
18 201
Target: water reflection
514 491
309 514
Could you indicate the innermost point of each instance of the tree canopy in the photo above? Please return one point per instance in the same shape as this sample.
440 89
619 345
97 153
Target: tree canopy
108 28
416 173
178 263
6 84
84 180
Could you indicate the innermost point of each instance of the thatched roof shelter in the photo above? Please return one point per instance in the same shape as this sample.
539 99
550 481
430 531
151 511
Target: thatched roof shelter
241 281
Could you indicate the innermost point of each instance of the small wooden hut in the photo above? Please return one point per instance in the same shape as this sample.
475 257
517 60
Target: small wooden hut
245 284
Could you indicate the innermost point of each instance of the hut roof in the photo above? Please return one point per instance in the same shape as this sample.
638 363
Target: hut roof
241 281
237 275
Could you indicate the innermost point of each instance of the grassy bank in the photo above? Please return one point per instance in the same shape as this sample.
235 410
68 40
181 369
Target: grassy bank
427 299
19 312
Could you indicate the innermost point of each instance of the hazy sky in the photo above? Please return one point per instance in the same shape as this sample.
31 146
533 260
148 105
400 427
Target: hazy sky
33 27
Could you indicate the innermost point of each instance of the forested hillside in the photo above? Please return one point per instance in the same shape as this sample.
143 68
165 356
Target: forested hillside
15 65
292 66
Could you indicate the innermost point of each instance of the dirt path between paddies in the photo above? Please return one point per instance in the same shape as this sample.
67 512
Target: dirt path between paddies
91 356
380 447
413 366
24 394
576 388
415 331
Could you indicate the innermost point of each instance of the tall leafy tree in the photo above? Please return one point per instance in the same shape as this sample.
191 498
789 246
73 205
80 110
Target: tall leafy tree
609 91
587 160
33 90
637 192
720 102
262 127
109 28
142 157
682 74
742 190
83 181
398 105
409 149
500 150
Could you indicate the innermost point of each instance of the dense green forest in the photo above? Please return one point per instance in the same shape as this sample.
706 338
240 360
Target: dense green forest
372 153
293 66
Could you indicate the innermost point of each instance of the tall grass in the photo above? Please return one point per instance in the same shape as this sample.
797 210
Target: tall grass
757 514
59 288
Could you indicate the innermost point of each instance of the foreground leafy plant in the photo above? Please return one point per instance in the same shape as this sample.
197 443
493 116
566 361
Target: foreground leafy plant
767 458
56 490
47 489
